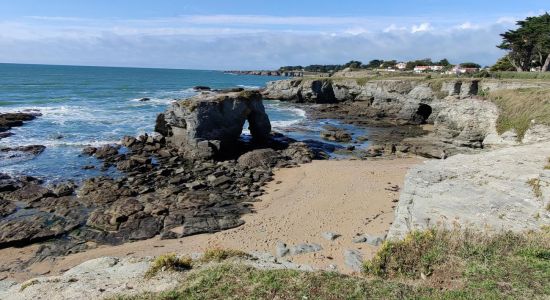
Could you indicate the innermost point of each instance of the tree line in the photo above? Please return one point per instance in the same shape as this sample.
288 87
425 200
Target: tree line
527 46
376 64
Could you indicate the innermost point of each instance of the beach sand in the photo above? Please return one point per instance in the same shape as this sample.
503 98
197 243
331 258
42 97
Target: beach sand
347 197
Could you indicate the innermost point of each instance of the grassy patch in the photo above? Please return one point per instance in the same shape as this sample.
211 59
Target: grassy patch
547 167
469 265
518 108
27 284
437 85
168 262
361 81
219 254
535 186
456 265
521 75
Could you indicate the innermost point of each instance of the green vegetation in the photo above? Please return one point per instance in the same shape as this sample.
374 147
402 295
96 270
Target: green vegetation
469 265
529 45
521 75
27 284
435 264
169 262
518 108
547 167
219 254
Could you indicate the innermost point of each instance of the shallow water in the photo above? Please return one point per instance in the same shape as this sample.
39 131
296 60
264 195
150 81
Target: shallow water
84 106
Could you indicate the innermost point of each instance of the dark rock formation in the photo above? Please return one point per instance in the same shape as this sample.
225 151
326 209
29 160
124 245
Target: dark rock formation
9 120
209 123
335 134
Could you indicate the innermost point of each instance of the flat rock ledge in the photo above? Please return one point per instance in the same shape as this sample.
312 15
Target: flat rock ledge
505 189
111 276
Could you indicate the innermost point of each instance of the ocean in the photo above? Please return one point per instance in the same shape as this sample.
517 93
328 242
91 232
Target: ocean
83 106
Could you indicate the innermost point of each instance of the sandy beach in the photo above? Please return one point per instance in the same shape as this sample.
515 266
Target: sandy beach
347 197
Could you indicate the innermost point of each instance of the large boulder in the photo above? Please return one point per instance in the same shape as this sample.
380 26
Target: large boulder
505 189
209 123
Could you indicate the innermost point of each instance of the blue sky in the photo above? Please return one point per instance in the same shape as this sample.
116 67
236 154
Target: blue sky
247 34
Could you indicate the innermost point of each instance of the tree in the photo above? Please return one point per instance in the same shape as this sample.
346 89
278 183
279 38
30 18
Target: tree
529 45
421 62
354 64
388 64
503 64
374 64
470 65
444 62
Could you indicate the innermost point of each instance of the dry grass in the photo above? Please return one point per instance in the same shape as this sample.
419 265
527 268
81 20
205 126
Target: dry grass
535 186
467 261
519 108
456 264
547 167
169 262
219 254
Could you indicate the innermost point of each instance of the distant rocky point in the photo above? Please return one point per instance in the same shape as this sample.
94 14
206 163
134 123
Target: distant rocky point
268 73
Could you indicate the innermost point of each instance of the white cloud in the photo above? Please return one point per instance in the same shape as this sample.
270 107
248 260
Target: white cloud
421 28
394 27
467 26
238 42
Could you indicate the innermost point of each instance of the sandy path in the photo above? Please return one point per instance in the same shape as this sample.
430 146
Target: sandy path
347 197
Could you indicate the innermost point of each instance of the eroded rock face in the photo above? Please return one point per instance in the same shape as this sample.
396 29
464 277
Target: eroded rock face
504 189
210 123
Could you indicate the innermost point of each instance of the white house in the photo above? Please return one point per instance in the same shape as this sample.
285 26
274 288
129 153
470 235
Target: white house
401 66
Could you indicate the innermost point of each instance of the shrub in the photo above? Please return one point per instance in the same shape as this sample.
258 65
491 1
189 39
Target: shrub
169 262
414 255
219 254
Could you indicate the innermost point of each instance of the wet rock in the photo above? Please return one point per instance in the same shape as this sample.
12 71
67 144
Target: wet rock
259 158
89 151
28 193
144 99
63 189
200 88
31 149
9 120
6 208
128 141
5 134
35 228
106 151
331 133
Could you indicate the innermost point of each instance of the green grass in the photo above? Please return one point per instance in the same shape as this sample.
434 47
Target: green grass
168 262
518 108
455 264
220 254
521 75
469 265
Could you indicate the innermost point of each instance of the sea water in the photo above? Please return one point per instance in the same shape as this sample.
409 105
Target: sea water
93 106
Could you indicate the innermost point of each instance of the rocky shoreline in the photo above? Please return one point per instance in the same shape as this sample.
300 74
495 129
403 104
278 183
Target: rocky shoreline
196 174
198 177
268 73
462 121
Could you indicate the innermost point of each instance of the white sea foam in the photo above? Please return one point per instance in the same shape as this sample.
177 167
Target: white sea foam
248 87
153 101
